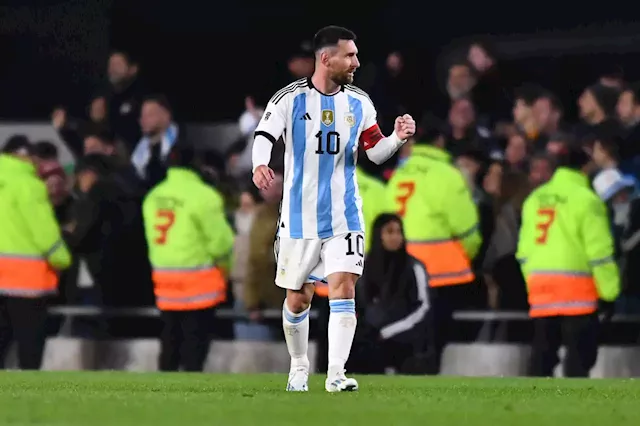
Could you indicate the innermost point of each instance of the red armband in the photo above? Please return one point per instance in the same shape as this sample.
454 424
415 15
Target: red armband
370 137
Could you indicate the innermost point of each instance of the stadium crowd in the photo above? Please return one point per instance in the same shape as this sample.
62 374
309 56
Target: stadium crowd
504 135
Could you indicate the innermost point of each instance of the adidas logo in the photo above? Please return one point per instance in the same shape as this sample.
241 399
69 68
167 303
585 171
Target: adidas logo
359 263
306 116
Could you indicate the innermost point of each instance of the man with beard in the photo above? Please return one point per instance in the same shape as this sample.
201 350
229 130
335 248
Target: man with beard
321 230
160 134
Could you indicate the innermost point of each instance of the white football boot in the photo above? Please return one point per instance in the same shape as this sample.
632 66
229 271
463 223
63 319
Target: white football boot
298 380
340 383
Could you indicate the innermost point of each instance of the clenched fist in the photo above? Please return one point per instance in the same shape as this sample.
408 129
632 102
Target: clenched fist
405 127
262 177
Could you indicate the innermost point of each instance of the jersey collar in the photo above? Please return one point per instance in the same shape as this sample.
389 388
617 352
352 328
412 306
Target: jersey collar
16 165
311 86
182 173
431 152
569 175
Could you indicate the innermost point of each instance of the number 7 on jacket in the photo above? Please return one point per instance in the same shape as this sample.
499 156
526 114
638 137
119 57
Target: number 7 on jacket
164 221
545 220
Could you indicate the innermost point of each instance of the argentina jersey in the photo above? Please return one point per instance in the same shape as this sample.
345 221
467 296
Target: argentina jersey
321 133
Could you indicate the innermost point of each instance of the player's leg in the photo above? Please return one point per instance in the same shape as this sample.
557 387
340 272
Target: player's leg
343 258
295 260
295 324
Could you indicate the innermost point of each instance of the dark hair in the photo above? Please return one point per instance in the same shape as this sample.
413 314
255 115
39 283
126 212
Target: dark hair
574 157
18 143
385 273
105 135
528 93
97 163
45 150
429 129
514 188
159 99
185 155
330 36
541 156
553 100
610 140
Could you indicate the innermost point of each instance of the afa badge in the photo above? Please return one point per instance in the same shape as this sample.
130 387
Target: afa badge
350 119
327 117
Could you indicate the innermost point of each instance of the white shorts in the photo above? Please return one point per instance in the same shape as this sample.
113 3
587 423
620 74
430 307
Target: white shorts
303 261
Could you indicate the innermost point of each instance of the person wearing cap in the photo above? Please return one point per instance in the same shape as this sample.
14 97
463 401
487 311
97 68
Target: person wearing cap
32 253
190 242
620 193
566 253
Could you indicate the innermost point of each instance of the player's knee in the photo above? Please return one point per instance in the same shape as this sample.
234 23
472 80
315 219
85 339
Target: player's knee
342 285
300 300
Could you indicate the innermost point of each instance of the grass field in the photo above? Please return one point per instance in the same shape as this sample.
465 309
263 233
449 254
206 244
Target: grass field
122 399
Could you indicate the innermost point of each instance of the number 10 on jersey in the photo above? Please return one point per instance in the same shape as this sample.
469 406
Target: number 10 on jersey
328 143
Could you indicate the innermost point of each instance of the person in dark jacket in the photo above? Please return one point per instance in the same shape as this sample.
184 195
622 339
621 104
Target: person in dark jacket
393 302
108 232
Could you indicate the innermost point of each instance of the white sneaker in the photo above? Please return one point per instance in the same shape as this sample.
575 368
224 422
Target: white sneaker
298 380
340 383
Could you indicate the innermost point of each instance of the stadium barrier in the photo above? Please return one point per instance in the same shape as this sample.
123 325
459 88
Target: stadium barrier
463 359
140 355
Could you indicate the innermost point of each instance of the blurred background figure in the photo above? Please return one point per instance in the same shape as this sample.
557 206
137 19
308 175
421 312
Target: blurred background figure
31 254
393 301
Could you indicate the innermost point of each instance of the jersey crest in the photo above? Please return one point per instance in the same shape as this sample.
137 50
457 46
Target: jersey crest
350 119
327 117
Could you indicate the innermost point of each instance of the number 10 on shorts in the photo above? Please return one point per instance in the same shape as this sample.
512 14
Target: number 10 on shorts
358 244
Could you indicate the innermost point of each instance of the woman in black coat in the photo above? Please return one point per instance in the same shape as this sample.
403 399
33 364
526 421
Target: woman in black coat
392 302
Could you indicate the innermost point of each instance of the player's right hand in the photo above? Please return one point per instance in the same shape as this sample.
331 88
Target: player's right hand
263 176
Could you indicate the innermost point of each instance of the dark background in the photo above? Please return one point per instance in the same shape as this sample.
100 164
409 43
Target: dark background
206 56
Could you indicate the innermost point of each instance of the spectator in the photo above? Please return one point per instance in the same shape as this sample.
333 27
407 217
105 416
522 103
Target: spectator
259 293
460 80
523 116
243 221
160 135
18 146
547 112
51 172
462 132
239 156
541 169
103 142
507 289
617 191
517 152
107 231
558 143
597 106
73 130
125 97
393 300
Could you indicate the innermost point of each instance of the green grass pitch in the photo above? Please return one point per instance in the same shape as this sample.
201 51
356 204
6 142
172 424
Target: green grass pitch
123 399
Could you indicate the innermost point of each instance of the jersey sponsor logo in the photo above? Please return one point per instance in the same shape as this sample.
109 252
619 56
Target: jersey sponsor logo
267 115
327 117
350 119
306 117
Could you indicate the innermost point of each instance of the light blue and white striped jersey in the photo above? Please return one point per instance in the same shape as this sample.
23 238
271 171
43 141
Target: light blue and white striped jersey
321 135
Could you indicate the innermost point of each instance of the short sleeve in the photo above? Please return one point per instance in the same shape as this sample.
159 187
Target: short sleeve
273 121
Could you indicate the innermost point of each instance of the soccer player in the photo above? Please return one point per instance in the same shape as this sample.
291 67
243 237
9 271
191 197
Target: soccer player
320 231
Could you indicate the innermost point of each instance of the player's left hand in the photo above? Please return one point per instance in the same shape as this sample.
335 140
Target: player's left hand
405 127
